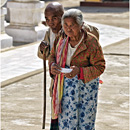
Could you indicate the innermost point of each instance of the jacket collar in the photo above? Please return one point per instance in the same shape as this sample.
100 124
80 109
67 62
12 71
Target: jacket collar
82 45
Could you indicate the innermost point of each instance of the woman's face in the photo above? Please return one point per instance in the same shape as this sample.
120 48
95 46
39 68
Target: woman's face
71 28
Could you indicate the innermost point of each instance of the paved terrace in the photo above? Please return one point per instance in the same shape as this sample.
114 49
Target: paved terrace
22 101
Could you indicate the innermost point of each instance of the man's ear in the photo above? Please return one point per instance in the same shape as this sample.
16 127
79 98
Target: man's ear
82 24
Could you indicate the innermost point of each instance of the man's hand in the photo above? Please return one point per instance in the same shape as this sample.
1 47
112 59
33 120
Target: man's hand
43 45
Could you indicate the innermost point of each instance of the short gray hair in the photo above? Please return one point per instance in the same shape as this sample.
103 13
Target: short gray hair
73 13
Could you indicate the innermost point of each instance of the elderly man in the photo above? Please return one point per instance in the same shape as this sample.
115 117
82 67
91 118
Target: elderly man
53 13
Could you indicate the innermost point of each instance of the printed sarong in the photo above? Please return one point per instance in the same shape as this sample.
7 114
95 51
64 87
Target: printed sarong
79 104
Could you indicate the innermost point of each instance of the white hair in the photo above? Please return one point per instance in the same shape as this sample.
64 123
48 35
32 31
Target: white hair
73 13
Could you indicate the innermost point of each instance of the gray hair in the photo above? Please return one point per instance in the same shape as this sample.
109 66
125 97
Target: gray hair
73 13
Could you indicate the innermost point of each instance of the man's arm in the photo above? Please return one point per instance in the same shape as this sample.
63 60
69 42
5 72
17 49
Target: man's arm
92 30
41 47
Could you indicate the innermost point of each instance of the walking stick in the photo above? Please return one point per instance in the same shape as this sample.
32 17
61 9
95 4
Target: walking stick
44 88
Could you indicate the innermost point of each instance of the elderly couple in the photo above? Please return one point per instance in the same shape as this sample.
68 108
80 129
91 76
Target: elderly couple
72 44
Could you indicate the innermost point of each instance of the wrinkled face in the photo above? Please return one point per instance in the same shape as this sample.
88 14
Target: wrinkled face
53 20
71 28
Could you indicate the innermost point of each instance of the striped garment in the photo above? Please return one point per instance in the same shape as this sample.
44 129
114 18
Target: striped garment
61 56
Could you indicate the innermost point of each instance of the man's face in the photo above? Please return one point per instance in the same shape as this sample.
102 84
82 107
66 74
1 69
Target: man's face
53 20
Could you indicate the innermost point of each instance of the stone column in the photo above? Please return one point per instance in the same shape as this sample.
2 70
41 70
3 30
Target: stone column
5 40
25 19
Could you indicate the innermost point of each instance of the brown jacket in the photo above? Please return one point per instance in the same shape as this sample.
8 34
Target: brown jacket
88 55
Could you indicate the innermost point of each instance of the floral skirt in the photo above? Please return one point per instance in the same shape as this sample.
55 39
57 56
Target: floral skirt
79 105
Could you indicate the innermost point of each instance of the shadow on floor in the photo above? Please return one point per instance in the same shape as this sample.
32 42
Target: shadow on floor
100 9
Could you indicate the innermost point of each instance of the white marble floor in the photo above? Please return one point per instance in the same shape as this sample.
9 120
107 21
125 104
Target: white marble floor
110 34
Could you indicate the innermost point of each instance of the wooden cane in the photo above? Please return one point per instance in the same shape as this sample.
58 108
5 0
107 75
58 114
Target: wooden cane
44 88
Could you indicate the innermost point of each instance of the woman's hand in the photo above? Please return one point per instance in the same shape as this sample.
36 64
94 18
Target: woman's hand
55 69
73 73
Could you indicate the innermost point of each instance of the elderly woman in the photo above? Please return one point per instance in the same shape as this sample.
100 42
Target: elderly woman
75 93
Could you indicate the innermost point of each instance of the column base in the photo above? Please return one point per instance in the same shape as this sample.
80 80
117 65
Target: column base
5 41
26 34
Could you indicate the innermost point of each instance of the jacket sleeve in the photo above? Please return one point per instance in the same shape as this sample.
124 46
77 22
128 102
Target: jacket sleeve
39 53
97 65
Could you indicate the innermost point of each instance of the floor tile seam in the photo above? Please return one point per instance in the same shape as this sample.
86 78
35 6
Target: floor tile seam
21 77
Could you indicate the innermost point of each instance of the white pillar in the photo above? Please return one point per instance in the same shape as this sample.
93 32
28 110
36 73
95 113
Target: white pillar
25 19
5 40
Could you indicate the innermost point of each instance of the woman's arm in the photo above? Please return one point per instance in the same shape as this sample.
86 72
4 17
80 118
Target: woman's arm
97 65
